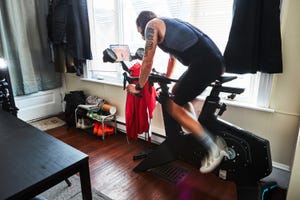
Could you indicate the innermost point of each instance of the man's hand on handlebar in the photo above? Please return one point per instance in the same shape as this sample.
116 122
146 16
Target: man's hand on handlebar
131 89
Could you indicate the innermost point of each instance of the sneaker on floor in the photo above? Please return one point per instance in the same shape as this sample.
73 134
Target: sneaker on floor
211 162
79 123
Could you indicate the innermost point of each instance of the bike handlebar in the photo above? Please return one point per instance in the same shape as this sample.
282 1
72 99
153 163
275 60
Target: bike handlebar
154 77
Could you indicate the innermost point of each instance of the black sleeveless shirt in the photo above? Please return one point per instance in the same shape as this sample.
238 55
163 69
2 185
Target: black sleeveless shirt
181 38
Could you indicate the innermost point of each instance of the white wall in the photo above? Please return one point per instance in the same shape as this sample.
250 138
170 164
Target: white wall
293 192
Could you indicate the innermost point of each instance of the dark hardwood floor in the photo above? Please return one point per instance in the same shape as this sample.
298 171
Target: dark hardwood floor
111 169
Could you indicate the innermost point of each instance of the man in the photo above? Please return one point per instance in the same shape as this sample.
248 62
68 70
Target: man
197 51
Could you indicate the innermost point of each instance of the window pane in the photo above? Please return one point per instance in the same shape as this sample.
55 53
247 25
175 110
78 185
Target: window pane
104 31
247 81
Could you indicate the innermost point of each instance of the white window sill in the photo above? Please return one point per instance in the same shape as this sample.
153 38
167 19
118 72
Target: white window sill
107 81
234 103
248 106
240 104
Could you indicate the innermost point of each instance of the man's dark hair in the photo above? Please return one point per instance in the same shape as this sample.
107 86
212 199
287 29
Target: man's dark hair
143 18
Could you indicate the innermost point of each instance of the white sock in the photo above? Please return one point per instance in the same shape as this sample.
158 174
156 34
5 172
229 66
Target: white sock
190 108
209 144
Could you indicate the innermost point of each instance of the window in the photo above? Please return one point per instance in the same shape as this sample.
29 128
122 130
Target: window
104 19
113 22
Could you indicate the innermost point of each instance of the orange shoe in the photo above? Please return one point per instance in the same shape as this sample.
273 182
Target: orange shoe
110 130
99 133
96 127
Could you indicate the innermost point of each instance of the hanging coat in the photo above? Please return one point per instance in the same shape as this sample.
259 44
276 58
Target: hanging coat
139 110
254 42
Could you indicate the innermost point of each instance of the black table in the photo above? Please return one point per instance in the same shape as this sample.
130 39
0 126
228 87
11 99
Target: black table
32 161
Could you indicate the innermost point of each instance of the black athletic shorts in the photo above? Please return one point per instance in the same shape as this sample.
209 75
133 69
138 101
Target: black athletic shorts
205 66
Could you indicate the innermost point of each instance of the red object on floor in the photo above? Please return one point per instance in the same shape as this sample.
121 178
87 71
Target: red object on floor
108 130
96 126
139 110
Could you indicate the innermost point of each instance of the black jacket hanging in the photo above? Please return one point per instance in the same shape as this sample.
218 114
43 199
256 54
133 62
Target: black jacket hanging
68 27
254 42
77 30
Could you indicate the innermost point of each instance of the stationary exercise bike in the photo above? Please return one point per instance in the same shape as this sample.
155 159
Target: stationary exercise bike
249 155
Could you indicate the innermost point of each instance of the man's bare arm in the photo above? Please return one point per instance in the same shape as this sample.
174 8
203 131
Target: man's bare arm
171 65
151 35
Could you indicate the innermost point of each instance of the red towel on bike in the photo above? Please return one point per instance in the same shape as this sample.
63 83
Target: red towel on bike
139 110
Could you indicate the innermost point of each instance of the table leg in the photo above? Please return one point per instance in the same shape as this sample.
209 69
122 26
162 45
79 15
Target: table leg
85 181
68 182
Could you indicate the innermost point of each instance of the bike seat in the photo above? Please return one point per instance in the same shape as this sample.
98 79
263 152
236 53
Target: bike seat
224 79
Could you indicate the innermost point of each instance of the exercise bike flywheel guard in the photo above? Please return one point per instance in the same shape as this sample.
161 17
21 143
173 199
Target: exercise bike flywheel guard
249 156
